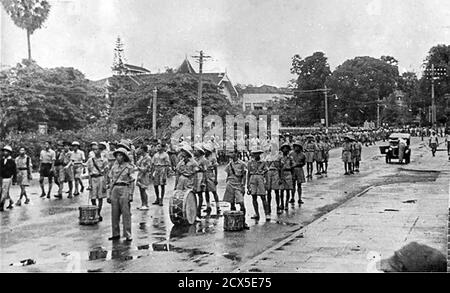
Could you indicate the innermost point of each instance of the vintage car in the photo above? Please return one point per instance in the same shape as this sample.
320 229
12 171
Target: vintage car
392 150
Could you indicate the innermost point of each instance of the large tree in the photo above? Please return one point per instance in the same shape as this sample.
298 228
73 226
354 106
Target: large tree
177 94
439 56
312 73
359 83
61 97
29 15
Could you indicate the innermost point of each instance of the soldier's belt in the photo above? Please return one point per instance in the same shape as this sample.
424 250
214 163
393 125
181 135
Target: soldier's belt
22 169
96 175
121 184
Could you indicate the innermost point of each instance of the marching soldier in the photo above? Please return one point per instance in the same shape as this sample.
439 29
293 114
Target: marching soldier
256 184
24 167
145 167
286 182
199 177
65 170
78 158
46 168
347 154
310 149
211 177
273 180
120 184
318 155
161 165
97 169
298 176
357 154
327 146
235 183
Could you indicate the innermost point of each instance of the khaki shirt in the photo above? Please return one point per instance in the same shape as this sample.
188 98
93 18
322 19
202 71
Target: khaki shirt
47 157
78 157
102 164
117 174
21 163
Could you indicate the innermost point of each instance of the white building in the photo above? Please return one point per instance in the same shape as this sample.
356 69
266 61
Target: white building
258 98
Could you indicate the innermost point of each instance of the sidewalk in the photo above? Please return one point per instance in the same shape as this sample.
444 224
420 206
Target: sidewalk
379 221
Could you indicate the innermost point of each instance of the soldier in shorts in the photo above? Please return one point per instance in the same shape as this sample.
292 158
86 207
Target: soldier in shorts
211 177
24 167
286 182
235 183
66 170
298 176
256 184
97 169
347 154
273 179
161 165
46 167
78 159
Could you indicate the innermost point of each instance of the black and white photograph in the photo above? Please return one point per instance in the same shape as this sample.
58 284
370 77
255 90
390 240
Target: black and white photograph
224 137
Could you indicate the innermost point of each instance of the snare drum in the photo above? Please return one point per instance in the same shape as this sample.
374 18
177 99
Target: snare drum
183 207
233 221
88 215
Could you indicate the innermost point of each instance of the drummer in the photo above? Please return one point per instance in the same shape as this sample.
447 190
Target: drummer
186 169
235 183
257 170
119 182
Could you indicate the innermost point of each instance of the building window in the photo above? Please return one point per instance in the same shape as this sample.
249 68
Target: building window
258 106
248 106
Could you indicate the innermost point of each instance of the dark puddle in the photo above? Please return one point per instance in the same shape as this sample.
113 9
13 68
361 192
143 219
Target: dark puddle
286 223
232 256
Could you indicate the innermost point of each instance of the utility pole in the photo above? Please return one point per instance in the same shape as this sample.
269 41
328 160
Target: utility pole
326 108
325 91
433 102
378 113
198 127
200 59
155 96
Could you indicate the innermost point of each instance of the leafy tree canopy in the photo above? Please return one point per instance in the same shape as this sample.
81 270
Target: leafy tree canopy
61 96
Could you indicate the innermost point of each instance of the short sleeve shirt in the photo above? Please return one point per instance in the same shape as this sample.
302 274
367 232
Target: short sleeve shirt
47 157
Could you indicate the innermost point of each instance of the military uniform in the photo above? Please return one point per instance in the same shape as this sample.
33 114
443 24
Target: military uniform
210 177
310 149
161 164
257 171
199 182
97 169
145 165
347 152
234 191
299 161
273 173
185 172
78 159
286 180
120 176
24 167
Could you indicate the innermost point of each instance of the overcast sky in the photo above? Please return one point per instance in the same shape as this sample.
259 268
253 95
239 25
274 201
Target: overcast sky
254 40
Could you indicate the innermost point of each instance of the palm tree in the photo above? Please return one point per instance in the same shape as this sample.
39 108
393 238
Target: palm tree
29 15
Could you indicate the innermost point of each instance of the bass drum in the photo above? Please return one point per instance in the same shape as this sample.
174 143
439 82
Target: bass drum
183 207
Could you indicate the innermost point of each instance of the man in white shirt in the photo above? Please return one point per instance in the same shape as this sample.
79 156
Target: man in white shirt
47 159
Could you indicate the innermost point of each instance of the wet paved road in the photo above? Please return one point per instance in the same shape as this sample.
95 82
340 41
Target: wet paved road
48 232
